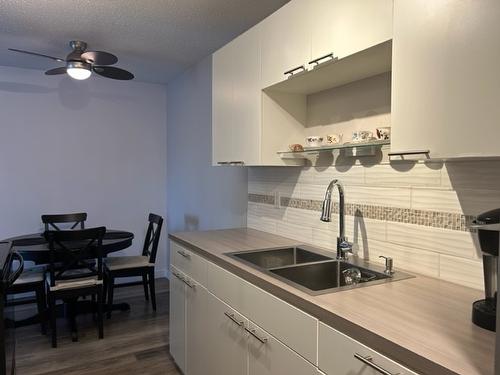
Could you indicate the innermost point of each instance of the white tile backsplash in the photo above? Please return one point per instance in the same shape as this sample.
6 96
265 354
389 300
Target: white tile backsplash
443 241
458 187
404 174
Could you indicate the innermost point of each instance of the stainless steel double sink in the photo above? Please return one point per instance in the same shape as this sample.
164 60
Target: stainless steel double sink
315 271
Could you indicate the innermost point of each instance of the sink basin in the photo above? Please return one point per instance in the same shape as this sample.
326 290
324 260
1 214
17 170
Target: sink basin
274 258
314 271
325 275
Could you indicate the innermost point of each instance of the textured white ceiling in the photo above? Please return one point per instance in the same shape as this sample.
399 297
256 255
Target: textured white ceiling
154 39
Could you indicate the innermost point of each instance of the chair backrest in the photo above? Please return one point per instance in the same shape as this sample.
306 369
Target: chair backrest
51 221
69 250
152 237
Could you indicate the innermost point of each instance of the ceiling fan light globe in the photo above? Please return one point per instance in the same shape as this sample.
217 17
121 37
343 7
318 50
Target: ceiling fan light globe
78 70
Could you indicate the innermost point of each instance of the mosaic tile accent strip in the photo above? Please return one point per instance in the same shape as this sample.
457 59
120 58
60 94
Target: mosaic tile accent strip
436 219
260 198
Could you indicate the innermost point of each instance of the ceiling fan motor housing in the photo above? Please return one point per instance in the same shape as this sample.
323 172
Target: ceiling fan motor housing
77 65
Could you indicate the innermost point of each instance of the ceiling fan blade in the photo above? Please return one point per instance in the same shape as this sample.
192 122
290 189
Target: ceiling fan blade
113 73
37 54
53 72
99 58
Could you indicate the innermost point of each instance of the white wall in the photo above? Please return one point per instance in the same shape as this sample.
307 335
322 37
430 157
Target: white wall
200 197
97 146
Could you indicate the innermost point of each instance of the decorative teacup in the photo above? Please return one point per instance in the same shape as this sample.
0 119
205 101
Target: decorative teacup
314 141
384 133
361 136
334 139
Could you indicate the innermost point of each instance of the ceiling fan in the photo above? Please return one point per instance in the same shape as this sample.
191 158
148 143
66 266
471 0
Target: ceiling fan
80 63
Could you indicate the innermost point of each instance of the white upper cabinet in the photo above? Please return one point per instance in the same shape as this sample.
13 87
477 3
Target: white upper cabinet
344 27
286 41
446 80
236 101
222 105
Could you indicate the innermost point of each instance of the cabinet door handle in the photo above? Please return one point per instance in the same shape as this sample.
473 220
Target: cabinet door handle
409 152
291 72
236 162
263 340
184 254
316 61
369 362
222 162
233 318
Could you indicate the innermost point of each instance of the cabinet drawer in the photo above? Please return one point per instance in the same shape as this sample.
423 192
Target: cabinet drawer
290 325
337 356
186 261
268 356
227 287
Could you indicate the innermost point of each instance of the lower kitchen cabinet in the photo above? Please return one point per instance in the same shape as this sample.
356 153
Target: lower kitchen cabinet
226 339
177 327
231 327
268 356
339 354
197 322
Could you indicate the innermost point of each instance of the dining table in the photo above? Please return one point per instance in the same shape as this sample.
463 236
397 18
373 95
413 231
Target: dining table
34 248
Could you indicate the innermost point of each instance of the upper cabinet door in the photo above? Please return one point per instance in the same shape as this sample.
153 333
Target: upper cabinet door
236 101
247 97
286 41
344 27
222 105
446 80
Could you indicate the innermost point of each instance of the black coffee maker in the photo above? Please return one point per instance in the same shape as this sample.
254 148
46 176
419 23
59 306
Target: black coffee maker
484 310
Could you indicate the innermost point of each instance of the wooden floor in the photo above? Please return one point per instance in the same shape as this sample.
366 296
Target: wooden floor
135 342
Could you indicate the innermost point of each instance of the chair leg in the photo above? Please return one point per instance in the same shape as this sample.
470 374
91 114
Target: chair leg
111 284
145 284
41 302
93 300
99 313
52 308
105 288
152 287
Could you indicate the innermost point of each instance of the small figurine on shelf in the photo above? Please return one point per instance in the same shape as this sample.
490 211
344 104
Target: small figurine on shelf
296 147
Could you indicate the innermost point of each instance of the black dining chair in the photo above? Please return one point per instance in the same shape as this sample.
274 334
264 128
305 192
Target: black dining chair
77 219
139 265
32 280
70 275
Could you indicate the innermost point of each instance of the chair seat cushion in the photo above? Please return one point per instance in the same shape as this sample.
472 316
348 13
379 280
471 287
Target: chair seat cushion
31 275
76 283
127 262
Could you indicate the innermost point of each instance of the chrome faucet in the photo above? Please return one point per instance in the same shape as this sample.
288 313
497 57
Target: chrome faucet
343 246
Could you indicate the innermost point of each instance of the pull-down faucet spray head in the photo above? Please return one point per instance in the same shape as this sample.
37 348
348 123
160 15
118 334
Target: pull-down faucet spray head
343 246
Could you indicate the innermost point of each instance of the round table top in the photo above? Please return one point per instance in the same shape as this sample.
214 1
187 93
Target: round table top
33 247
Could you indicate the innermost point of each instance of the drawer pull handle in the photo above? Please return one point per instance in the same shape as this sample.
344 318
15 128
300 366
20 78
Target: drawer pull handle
233 318
293 71
236 163
317 61
189 283
184 254
178 276
263 340
223 162
369 362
